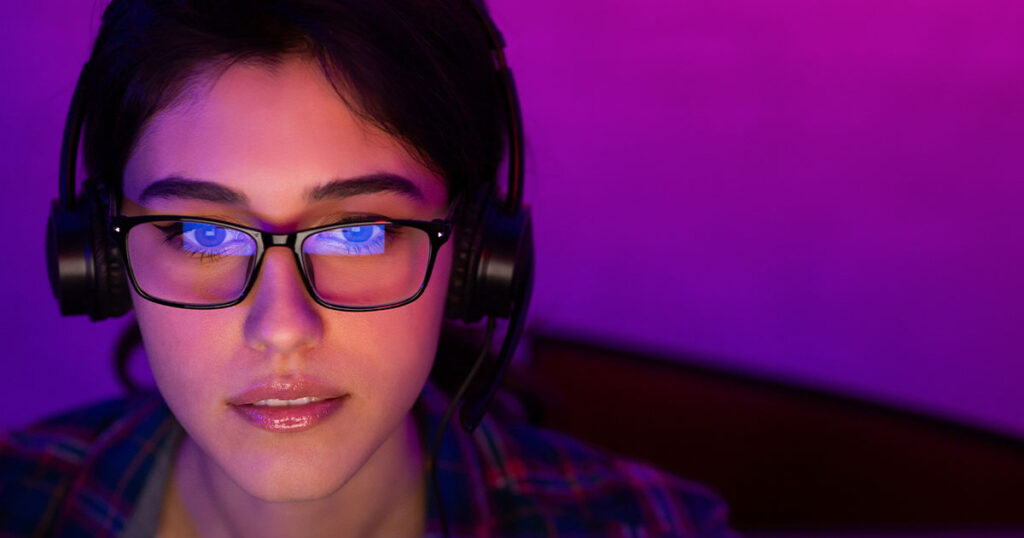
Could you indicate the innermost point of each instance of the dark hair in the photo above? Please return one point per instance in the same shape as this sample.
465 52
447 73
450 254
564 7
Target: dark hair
421 70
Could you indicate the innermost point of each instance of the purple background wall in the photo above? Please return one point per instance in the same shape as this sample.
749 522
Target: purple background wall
818 191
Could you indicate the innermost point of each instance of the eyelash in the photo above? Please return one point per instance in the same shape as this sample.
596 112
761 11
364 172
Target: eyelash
172 231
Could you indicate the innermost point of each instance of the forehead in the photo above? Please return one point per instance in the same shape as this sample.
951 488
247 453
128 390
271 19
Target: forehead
272 134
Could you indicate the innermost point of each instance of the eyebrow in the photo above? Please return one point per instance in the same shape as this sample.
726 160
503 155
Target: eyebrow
176 187
373 183
191 189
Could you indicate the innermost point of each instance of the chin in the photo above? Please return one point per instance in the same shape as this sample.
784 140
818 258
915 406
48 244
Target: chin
284 480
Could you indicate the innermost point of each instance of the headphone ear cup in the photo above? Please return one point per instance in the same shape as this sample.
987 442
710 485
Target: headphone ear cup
468 238
493 268
504 272
110 296
69 258
84 263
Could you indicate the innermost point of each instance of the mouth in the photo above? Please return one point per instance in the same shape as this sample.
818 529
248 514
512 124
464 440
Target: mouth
288 404
289 416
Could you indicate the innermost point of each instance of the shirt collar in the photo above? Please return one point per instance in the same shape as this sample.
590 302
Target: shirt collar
103 496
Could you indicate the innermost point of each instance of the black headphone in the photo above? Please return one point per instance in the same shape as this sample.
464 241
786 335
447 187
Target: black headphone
492 272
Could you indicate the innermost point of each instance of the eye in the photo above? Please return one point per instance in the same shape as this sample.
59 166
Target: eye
358 234
212 239
364 240
206 235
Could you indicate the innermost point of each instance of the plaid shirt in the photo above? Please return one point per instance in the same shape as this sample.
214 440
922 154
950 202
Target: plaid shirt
84 473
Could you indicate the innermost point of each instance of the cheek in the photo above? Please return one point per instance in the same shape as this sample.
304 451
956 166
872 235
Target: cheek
430 306
186 349
402 341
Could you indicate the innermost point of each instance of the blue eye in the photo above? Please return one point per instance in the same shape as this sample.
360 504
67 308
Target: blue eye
210 239
206 235
358 234
366 240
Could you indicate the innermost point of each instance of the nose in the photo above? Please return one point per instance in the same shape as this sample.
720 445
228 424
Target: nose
282 319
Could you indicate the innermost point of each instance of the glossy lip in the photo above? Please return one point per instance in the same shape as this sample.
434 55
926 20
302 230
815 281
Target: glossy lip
293 418
289 388
289 419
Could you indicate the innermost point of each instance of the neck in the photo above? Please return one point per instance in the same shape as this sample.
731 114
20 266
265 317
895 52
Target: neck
386 497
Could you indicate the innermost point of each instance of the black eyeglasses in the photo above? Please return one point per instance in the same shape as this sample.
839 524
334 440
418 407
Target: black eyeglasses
356 266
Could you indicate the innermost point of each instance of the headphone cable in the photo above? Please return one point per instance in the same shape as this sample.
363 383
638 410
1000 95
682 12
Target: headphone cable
456 399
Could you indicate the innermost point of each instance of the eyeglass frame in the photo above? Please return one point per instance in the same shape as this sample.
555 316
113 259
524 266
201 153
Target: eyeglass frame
439 231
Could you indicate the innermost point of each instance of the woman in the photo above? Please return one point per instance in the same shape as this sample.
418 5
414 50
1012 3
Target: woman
363 139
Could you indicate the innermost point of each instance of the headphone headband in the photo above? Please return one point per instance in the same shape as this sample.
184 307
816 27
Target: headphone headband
514 120
69 143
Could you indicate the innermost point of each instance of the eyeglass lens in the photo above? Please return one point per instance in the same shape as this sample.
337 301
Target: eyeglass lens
203 264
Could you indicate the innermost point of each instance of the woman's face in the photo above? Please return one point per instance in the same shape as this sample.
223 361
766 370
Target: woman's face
262 141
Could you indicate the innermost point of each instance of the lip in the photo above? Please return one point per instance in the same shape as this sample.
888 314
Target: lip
289 388
285 419
289 419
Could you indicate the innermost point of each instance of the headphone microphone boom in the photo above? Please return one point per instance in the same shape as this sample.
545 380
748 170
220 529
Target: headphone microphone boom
500 258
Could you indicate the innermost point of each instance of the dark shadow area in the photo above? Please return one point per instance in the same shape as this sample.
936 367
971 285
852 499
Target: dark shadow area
786 458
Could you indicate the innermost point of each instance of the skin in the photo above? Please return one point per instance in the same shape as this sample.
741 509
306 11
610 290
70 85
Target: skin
274 134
